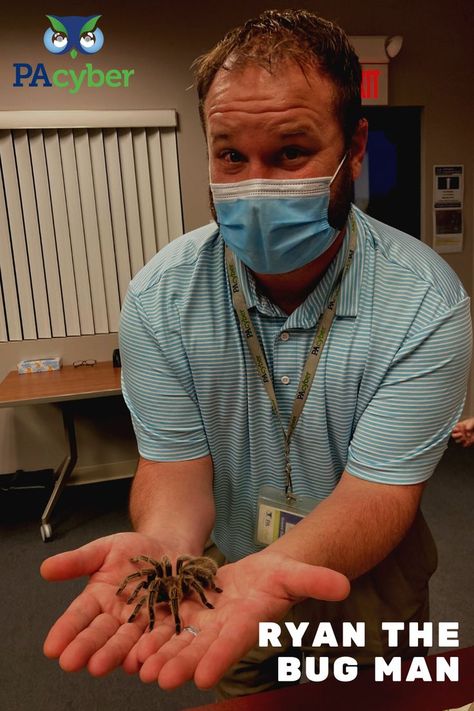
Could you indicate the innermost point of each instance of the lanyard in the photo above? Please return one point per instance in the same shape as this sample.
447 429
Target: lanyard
309 371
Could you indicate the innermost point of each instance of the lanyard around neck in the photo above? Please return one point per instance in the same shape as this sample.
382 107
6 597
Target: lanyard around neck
309 371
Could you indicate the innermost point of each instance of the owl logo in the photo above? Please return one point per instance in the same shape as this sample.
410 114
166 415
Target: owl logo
69 34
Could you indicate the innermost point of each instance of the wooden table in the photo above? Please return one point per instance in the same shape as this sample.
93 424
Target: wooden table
63 387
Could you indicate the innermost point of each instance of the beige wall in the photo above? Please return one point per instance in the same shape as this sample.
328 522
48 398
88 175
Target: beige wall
160 40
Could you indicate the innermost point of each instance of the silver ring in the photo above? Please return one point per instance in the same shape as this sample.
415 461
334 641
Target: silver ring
194 630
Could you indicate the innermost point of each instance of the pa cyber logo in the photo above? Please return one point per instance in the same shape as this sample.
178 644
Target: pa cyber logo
71 35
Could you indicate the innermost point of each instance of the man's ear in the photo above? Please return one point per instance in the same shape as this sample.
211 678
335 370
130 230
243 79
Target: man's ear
357 147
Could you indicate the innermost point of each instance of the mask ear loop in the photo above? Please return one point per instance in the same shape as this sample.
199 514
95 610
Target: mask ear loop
338 168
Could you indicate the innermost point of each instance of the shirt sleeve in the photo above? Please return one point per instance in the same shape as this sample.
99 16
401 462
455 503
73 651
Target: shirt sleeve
405 429
163 407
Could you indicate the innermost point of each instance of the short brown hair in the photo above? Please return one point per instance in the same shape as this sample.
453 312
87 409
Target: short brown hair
297 35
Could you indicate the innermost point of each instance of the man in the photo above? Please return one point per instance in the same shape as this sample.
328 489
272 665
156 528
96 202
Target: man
236 425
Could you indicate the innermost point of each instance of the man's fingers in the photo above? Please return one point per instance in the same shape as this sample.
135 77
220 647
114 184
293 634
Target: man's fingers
130 664
152 666
175 662
88 642
115 650
225 651
152 642
77 617
74 564
181 668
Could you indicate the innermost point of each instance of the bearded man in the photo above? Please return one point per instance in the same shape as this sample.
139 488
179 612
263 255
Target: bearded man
293 372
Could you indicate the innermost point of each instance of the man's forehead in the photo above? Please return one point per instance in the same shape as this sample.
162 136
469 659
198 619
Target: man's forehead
252 89
225 127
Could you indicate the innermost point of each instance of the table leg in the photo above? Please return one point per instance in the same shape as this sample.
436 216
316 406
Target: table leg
64 471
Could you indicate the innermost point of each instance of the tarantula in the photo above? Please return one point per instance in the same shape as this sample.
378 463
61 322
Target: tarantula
192 574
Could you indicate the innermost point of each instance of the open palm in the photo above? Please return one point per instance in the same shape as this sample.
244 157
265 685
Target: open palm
260 587
94 631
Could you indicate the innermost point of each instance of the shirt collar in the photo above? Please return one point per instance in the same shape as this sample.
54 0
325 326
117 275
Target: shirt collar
308 313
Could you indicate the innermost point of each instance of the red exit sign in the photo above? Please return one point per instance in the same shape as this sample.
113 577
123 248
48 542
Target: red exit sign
370 84
374 86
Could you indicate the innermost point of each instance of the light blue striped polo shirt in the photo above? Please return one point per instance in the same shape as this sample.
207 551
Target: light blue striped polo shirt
389 387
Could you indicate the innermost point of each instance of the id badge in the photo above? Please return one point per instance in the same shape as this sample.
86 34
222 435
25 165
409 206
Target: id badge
276 514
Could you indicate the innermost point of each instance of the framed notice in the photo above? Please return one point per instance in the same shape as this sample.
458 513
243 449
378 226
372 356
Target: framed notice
448 196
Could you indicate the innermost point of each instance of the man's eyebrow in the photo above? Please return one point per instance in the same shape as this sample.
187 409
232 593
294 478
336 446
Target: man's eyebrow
297 130
283 133
220 136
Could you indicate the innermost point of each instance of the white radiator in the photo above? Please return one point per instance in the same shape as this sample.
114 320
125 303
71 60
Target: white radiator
86 199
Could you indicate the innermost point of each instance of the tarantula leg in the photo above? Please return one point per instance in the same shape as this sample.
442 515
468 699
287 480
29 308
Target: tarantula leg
213 586
144 559
151 608
200 591
132 576
143 584
179 562
174 604
137 609
207 581
166 566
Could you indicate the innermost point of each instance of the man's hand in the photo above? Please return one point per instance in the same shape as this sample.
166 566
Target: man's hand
463 432
94 631
259 588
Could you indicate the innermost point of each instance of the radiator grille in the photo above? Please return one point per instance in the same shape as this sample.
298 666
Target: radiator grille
82 209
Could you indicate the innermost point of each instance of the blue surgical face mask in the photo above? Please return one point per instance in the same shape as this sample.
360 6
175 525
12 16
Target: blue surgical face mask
275 226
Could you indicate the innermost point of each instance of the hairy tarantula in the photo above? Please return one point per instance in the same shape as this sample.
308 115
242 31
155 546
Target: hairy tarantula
192 575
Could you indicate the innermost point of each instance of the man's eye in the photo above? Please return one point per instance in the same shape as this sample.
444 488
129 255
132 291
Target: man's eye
232 156
291 153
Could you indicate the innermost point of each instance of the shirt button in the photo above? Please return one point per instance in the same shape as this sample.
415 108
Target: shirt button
285 380
284 336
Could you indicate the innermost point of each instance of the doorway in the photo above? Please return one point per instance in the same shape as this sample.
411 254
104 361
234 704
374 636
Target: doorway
389 187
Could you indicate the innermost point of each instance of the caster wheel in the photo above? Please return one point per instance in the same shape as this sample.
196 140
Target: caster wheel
46 532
